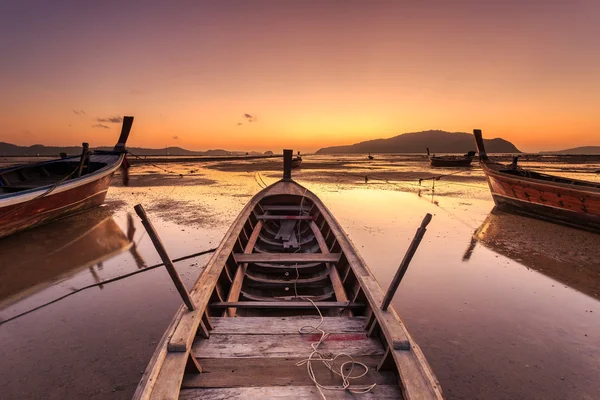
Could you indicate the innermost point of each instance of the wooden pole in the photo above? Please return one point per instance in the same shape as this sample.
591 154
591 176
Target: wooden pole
165 257
405 262
480 146
287 165
83 158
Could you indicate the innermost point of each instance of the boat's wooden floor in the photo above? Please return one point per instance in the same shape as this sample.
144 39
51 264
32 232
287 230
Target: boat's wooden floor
255 357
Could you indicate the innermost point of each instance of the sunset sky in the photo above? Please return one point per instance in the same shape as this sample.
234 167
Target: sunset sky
312 73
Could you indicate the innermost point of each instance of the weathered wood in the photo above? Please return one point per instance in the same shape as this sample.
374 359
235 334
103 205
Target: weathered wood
287 392
203 330
168 382
286 229
287 165
162 252
258 372
387 361
286 217
252 346
287 304
334 276
192 366
208 321
285 325
276 207
414 245
234 290
84 157
287 257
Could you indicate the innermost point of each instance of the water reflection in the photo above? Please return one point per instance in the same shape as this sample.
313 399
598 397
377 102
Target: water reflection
36 259
564 254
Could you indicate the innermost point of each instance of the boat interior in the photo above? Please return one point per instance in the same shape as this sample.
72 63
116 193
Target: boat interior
285 269
25 177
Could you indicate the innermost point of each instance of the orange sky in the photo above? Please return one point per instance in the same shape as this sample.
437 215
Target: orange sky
314 73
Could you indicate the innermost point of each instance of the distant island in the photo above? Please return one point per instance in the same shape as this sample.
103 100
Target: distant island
7 149
416 142
585 150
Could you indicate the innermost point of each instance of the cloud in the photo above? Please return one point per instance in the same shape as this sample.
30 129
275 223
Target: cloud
250 118
112 120
100 126
175 137
79 112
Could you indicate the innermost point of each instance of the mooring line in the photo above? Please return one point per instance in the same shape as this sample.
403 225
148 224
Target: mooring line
105 282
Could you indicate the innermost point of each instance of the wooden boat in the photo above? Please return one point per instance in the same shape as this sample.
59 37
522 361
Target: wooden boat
256 312
451 161
296 161
559 252
36 193
48 254
370 157
567 201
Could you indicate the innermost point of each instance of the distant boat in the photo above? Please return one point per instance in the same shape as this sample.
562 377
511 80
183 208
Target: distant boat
36 193
562 200
296 161
370 157
451 161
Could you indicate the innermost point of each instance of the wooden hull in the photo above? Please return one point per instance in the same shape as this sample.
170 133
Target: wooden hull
22 211
249 306
450 162
556 202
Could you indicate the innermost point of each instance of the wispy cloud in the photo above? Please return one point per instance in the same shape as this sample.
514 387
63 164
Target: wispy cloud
79 112
112 120
100 126
247 118
175 137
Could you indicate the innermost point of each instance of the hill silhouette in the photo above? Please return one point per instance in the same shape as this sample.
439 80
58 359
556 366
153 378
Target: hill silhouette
416 142
7 149
586 150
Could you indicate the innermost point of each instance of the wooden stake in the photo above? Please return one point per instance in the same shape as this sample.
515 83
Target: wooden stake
405 262
165 257
84 154
287 165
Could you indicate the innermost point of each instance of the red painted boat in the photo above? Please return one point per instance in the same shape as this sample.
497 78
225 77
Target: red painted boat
567 201
36 193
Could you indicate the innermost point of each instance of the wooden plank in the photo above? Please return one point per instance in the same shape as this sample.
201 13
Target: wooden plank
286 229
283 208
253 372
334 276
287 304
257 346
287 392
236 286
285 217
287 257
285 325
169 379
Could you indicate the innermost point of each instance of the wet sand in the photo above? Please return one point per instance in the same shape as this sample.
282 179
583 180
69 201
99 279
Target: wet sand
503 306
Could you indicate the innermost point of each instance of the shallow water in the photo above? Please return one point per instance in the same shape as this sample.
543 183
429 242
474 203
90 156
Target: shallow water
502 306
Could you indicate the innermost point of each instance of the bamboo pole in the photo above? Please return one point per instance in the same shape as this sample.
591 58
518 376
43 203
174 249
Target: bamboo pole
405 262
165 257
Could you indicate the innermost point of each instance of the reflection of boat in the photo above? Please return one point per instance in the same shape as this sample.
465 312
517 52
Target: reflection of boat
296 161
560 252
567 201
36 193
271 294
451 161
37 258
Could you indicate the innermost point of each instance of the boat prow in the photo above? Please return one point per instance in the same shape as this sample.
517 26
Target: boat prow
245 338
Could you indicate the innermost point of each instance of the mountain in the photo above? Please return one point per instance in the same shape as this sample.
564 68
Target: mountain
7 149
416 142
587 150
